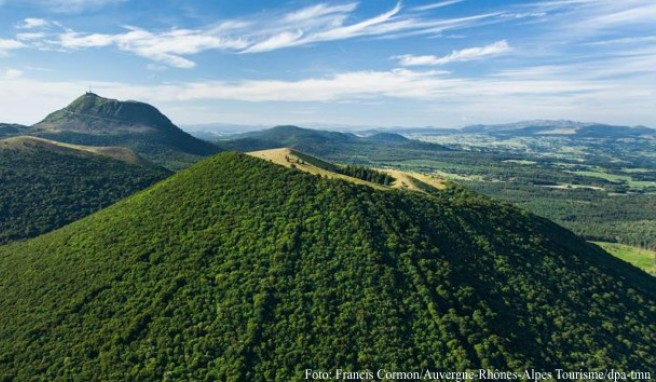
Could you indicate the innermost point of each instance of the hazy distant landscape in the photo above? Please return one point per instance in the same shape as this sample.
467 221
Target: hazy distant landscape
427 190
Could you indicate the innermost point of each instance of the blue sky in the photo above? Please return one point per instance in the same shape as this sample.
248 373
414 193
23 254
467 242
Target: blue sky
441 63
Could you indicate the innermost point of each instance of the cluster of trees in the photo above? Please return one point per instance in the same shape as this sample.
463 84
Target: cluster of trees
355 171
238 269
366 173
43 190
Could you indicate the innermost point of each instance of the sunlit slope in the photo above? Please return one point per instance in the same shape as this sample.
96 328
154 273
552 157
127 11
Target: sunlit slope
239 269
401 180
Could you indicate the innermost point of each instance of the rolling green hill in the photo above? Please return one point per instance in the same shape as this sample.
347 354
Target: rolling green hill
332 145
10 129
96 121
47 184
241 270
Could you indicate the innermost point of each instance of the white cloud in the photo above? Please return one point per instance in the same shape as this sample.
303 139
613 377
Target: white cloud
412 60
348 31
166 47
625 40
280 40
523 15
31 23
634 15
327 25
468 54
579 20
74 40
7 44
318 10
10 74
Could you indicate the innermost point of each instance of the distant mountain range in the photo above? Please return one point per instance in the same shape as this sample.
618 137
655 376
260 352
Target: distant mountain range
524 128
569 128
534 128
97 121
212 131
333 145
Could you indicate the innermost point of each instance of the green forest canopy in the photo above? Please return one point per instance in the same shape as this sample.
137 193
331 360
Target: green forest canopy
241 270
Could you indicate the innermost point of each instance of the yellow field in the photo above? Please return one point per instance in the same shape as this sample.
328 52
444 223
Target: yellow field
28 143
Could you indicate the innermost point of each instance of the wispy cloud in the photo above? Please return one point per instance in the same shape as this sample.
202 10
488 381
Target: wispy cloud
281 40
623 41
430 7
329 31
32 22
258 34
319 10
581 19
645 13
166 47
522 15
468 54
